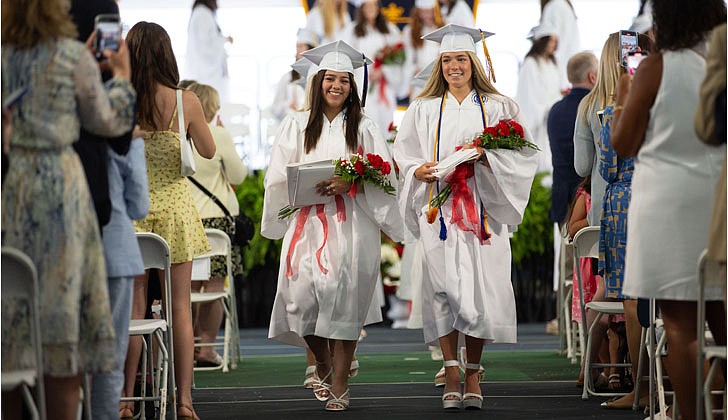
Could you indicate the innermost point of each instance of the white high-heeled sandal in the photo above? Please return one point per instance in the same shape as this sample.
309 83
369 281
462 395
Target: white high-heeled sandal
354 368
440 377
463 362
310 377
447 401
321 389
339 403
471 400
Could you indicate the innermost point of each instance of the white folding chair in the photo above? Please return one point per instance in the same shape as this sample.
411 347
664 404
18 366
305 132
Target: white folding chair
156 255
586 245
220 244
20 286
710 275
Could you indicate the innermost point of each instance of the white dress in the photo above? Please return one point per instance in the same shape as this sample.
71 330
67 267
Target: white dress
315 24
381 99
206 59
538 89
466 285
289 97
461 14
560 16
416 59
673 187
310 302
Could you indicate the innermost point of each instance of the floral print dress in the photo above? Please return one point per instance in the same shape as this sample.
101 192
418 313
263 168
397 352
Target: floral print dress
46 206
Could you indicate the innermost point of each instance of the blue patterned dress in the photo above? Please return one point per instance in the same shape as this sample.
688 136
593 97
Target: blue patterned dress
46 205
613 228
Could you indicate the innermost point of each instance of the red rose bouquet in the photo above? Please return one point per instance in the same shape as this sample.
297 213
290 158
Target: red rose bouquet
390 54
370 169
507 134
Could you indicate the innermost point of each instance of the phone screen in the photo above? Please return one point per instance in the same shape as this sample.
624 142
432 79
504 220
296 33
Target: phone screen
108 33
628 43
633 60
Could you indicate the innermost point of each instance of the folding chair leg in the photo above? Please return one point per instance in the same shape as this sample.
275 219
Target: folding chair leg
638 374
29 402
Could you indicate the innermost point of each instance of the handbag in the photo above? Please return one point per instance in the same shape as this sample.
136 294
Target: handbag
185 145
243 226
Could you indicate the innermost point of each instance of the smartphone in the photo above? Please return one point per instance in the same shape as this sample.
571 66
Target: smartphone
628 43
108 33
633 60
14 97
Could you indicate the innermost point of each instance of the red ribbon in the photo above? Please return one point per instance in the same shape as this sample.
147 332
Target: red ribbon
382 83
301 222
462 201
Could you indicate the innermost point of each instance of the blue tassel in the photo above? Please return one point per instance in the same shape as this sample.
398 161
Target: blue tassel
443 229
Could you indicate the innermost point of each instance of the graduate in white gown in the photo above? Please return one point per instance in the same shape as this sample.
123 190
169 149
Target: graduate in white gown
457 12
418 52
290 95
206 58
327 18
539 87
467 281
559 14
331 252
369 33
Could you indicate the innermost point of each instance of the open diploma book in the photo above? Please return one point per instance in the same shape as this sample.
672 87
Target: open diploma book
302 181
447 165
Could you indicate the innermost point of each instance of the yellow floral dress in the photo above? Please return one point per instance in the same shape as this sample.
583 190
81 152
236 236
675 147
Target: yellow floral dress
172 212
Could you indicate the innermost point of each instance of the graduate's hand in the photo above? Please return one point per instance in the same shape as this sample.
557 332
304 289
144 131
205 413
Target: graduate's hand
333 186
482 157
426 172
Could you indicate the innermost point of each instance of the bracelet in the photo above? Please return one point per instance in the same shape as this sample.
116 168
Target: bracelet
617 107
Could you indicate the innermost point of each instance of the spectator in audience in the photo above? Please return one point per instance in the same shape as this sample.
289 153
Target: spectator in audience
653 120
582 71
710 125
206 58
327 18
418 52
538 89
457 12
216 175
172 213
47 211
559 14
370 33
291 96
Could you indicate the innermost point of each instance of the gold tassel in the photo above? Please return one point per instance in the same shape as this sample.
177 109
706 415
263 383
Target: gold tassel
491 72
438 15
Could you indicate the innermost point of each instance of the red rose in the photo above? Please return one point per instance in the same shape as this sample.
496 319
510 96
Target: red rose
503 129
359 167
386 168
491 130
375 160
516 127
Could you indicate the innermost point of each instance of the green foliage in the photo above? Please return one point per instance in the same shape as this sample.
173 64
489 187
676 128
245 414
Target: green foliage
535 234
261 251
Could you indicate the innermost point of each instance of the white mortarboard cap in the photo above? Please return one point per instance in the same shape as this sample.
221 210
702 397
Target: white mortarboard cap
306 36
453 38
425 4
423 75
303 68
642 23
543 30
337 56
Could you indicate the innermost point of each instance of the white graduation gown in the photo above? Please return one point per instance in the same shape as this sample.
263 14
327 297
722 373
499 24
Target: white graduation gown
560 16
461 14
333 305
416 59
289 97
206 59
379 107
466 285
315 24
539 88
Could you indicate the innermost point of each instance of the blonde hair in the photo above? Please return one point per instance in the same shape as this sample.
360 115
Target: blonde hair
27 23
209 99
609 71
436 84
332 15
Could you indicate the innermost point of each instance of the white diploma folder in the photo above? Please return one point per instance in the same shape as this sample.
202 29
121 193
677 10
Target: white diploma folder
302 181
447 165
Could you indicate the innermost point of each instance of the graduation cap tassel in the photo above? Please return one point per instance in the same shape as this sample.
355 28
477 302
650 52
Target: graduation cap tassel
491 72
366 82
443 228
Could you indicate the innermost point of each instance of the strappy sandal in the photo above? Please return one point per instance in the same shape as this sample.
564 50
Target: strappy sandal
471 400
440 377
321 389
463 362
310 377
354 368
453 399
615 382
339 403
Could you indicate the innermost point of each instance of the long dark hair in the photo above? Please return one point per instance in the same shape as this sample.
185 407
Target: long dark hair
210 4
152 63
352 110
680 24
539 46
360 27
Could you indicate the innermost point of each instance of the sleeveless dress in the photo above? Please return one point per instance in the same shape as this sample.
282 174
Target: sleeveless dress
613 232
172 212
46 207
672 189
